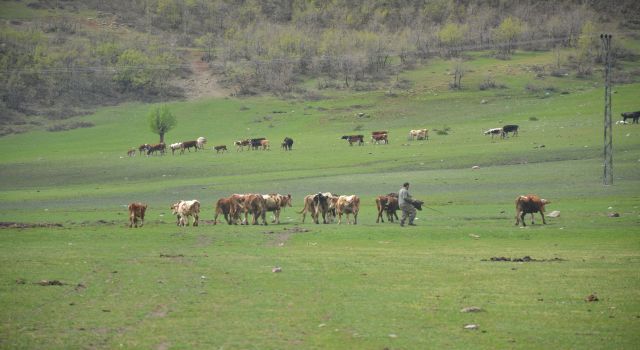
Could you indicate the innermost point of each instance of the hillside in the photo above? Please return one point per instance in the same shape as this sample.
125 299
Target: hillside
66 58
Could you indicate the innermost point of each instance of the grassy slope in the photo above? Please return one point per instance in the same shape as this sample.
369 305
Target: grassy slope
365 286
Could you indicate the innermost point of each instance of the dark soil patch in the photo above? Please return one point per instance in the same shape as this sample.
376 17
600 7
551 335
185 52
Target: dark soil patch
4 224
171 256
525 258
50 283
283 236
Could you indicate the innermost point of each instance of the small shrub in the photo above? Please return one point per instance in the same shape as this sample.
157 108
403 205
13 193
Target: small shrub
533 119
443 131
358 127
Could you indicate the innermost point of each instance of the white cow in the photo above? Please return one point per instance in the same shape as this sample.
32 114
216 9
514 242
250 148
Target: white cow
184 209
200 142
495 131
175 146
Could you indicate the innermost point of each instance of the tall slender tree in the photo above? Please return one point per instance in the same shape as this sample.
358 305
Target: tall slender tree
161 121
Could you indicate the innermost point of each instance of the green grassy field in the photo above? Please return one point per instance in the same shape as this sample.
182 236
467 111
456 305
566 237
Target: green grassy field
368 286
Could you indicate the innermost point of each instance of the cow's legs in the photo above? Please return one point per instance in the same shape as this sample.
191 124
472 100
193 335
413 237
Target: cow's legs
355 218
542 215
195 220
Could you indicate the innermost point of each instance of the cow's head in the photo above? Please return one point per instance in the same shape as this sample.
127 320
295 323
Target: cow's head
417 204
345 137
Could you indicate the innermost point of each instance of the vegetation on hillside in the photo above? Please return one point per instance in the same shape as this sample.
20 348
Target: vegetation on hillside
61 58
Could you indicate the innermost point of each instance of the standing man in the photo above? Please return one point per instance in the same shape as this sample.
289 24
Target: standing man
405 203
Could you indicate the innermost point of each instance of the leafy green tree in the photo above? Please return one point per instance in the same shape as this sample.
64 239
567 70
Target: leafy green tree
161 121
451 37
133 71
506 35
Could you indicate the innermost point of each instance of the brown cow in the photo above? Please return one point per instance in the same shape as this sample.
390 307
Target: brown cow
221 148
353 139
388 204
131 152
136 210
348 205
229 208
379 138
240 144
255 204
529 204
188 145
159 147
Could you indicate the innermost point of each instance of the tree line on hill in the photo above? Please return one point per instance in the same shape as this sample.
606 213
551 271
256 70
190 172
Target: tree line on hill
59 64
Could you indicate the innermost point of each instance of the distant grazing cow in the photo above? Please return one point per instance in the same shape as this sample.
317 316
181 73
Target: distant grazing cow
131 152
188 145
631 115
200 142
348 205
265 145
379 138
221 148
240 144
495 131
275 202
175 146
388 204
230 209
144 148
255 204
160 147
184 209
419 134
529 204
257 142
136 210
510 129
353 139
287 144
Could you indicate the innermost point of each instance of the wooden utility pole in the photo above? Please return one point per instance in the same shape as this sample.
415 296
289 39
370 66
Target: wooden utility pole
608 139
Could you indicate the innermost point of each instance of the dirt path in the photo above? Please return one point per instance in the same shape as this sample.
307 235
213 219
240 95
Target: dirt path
202 83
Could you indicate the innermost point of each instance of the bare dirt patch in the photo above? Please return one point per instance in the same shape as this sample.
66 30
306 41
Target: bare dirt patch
280 238
202 82
4 224
525 258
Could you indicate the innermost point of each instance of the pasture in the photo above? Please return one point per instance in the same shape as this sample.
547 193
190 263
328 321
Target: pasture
365 286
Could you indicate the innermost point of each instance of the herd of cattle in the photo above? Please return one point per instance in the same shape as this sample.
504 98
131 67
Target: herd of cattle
236 208
377 137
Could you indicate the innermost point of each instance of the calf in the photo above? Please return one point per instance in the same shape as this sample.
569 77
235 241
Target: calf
221 148
184 209
131 152
631 115
136 210
265 145
353 139
348 205
529 204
